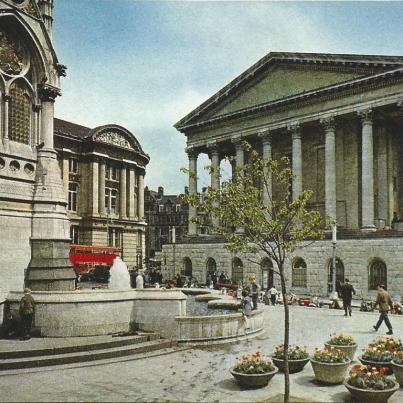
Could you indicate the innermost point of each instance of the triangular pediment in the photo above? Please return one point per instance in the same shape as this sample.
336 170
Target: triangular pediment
279 76
281 82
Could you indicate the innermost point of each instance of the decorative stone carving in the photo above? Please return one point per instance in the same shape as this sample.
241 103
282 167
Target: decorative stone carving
29 169
328 123
265 135
115 139
11 55
61 69
47 92
191 152
366 115
31 10
14 166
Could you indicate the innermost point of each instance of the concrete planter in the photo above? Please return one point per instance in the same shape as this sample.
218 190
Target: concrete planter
294 366
398 372
252 381
331 373
376 364
371 395
349 350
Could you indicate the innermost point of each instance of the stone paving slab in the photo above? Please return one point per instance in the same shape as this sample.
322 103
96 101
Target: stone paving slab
202 374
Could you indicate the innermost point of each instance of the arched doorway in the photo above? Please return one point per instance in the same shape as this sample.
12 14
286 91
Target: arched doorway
266 266
186 267
339 275
211 267
237 271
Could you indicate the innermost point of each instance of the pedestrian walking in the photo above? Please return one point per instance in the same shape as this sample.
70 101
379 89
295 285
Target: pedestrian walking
27 309
347 291
384 302
255 287
273 295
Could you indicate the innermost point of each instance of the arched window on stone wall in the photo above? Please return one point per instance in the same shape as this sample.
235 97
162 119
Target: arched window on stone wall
266 266
186 267
19 113
237 271
299 272
211 267
377 274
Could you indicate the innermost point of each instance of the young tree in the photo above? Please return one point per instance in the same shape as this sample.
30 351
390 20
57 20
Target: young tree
255 220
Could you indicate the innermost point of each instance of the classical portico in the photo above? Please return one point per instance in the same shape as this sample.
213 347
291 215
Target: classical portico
336 117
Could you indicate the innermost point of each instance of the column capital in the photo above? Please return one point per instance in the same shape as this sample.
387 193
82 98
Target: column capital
6 98
265 135
366 116
192 152
48 93
237 140
213 147
328 123
293 126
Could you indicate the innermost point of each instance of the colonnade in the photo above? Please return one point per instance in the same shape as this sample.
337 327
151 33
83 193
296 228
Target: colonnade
130 189
265 135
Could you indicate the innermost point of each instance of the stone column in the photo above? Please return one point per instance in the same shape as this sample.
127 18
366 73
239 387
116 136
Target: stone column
132 210
49 268
141 196
296 160
266 138
6 99
383 179
101 188
36 109
330 167
367 172
239 151
123 196
215 175
239 162
192 156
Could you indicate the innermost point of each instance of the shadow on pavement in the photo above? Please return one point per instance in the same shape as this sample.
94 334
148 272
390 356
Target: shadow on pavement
229 384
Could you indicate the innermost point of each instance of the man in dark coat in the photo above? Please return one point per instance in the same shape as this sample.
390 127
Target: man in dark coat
385 302
347 291
27 309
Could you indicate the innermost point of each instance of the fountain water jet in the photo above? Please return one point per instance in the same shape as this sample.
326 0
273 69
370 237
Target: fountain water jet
119 275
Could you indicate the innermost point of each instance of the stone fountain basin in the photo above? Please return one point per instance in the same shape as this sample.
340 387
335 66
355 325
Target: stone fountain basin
100 312
207 297
225 303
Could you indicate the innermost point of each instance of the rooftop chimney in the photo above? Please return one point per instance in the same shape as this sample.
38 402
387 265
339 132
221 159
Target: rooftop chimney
160 191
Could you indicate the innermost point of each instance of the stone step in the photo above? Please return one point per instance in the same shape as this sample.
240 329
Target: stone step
86 344
84 356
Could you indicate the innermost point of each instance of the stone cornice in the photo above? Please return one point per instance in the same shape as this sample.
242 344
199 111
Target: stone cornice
330 92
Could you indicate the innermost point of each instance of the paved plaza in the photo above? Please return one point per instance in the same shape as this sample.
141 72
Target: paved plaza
200 374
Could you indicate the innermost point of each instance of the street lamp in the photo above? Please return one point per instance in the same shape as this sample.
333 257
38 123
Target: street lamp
334 242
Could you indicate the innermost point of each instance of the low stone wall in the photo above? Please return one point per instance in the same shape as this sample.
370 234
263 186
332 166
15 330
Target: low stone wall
99 312
217 328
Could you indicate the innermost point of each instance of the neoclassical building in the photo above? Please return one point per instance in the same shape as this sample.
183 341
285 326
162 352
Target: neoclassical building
103 180
52 171
339 120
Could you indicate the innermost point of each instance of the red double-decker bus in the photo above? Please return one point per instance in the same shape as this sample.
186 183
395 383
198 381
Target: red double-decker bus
88 257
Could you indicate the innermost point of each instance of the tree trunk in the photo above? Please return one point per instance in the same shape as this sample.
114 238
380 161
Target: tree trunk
286 335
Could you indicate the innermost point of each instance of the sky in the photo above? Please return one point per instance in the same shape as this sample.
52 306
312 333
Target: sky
146 64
